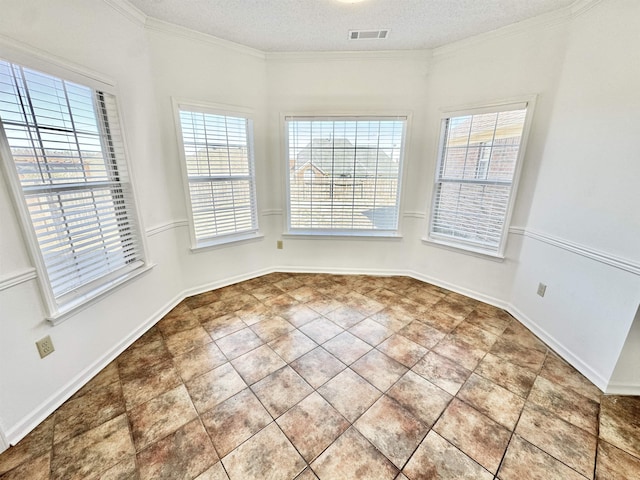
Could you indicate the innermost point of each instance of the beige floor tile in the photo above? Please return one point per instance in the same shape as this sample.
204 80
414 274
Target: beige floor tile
321 330
563 441
159 417
185 453
393 430
616 464
188 404
139 386
78 415
268 454
271 328
371 331
198 361
517 354
299 315
620 422
292 345
403 350
345 317
566 404
495 402
235 420
214 473
346 347
239 343
318 366
514 378
558 371
312 425
492 323
442 372
281 390
36 443
257 364
479 437
422 334
186 340
524 460
224 325
436 458
378 369
350 394
38 468
352 457
92 452
420 397
215 386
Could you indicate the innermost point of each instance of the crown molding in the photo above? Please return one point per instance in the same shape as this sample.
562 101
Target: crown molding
545 20
292 57
153 24
128 10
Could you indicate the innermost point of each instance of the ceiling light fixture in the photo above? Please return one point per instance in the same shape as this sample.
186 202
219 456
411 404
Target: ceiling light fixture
351 1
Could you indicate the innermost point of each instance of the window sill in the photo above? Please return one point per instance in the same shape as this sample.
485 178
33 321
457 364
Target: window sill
325 234
465 249
226 241
90 298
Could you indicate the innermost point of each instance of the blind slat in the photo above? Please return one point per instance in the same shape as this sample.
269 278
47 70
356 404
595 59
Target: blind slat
344 173
474 176
220 173
68 151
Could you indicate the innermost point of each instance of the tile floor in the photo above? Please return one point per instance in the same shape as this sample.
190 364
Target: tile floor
308 376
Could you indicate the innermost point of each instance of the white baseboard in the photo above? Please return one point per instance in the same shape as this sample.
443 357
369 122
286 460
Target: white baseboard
597 379
224 283
40 413
15 434
37 416
462 291
623 389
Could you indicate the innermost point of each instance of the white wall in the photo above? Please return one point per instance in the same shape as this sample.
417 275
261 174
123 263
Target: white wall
576 211
195 67
477 72
344 83
587 197
94 36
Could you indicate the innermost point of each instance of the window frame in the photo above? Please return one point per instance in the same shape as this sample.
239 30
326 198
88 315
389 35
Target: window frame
66 305
527 101
404 116
223 110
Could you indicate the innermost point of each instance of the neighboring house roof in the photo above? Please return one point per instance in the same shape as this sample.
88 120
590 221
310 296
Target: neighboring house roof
340 157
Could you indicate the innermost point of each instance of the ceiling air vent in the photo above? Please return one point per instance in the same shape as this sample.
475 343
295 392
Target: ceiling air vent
368 34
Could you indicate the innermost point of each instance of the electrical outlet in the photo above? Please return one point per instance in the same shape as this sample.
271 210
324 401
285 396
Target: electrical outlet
279 244
45 346
542 288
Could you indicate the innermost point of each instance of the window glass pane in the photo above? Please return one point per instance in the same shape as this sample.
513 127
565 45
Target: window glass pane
219 169
68 154
475 173
344 174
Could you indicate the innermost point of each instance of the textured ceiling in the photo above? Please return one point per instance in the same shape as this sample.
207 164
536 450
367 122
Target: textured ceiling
323 25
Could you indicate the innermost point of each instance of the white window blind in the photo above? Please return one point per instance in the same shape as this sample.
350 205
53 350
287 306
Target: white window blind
344 174
68 153
477 163
220 173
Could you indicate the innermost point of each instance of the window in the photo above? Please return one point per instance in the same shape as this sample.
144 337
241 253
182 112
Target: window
218 164
62 146
477 168
344 174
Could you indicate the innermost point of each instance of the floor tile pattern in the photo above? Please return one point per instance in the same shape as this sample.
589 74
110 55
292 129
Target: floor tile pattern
334 377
